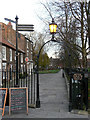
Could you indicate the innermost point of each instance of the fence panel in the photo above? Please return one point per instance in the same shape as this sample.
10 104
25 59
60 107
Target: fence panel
26 78
78 98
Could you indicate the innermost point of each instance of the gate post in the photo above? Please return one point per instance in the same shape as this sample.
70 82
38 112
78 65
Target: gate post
37 72
86 89
70 93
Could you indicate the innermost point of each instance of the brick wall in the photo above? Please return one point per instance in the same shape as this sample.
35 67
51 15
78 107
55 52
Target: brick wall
9 34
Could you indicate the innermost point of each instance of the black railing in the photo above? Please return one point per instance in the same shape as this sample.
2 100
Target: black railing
78 89
26 78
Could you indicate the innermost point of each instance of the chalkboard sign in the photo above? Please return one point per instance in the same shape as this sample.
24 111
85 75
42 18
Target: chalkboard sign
3 96
18 100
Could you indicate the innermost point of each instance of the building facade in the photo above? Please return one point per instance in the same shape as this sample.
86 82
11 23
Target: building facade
8 49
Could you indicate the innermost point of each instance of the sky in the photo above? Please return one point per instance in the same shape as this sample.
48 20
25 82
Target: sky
26 10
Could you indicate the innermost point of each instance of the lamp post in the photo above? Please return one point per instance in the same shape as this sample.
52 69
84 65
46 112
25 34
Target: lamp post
52 27
16 51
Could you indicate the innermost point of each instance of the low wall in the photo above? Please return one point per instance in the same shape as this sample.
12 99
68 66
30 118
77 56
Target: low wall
67 82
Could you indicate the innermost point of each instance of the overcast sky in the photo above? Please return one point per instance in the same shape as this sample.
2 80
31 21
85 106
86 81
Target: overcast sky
26 10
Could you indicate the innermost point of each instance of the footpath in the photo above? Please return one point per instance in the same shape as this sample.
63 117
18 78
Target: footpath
53 98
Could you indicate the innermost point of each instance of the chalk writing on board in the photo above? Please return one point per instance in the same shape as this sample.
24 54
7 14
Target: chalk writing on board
18 99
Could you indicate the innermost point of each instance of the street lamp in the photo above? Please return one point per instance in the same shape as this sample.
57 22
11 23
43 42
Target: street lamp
53 27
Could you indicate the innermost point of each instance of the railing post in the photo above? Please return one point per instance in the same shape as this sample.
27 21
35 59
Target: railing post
70 94
37 72
5 79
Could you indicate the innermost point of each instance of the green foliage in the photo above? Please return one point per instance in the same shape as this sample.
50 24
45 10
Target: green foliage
23 75
43 61
38 41
49 71
88 69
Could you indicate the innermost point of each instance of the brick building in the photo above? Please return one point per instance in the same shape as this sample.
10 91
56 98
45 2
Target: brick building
55 63
8 49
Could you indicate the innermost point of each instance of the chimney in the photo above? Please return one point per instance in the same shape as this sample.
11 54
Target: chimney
9 31
9 25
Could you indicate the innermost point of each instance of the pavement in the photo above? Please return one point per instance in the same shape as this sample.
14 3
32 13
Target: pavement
53 98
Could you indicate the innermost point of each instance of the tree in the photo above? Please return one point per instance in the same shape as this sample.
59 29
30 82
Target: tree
38 40
44 61
73 25
81 15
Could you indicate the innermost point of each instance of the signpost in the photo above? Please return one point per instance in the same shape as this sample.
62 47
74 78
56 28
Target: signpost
10 20
16 22
19 27
3 94
25 27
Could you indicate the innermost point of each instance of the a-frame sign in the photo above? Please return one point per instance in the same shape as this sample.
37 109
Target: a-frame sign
3 96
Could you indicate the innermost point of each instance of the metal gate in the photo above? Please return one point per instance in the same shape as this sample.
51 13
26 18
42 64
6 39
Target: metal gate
27 78
78 91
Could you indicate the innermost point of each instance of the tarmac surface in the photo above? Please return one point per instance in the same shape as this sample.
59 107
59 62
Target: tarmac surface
53 98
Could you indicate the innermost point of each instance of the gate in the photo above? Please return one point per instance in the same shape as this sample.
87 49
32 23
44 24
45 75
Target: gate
78 91
26 79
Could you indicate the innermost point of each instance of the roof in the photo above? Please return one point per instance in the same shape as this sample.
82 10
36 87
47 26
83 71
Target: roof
8 44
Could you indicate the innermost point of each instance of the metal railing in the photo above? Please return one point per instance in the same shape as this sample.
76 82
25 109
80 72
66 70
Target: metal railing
26 78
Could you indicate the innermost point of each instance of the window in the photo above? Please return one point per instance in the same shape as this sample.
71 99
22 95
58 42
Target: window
22 67
3 53
15 55
10 54
27 44
3 66
27 52
11 72
31 47
21 57
31 55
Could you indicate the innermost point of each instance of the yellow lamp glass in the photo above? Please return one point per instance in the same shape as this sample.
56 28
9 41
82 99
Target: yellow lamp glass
53 28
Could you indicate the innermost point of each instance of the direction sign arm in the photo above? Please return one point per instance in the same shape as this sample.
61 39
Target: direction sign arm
9 20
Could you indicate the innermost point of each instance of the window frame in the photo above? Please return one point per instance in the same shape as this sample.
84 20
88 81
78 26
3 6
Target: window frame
10 54
3 52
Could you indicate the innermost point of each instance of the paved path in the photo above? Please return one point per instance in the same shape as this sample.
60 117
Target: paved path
54 99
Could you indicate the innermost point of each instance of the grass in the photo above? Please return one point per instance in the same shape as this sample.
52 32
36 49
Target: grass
49 71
